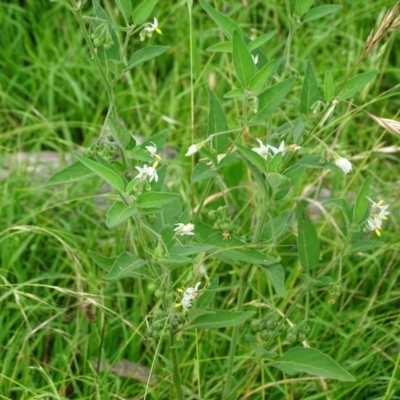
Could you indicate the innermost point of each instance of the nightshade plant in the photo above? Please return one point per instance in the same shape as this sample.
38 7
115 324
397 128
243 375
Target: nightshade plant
270 155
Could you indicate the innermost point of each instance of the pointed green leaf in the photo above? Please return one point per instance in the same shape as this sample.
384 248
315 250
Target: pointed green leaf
276 275
246 255
125 6
329 88
313 362
202 171
106 173
303 6
278 226
242 60
221 319
362 203
260 78
105 263
321 11
340 203
223 21
252 157
119 132
307 240
224 47
127 265
118 213
159 139
143 11
155 199
254 44
270 100
361 246
309 91
73 173
145 54
355 84
217 122
234 93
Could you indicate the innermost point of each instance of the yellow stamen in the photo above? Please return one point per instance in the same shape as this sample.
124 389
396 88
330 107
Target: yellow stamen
180 290
378 232
155 164
157 157
177 305
158 30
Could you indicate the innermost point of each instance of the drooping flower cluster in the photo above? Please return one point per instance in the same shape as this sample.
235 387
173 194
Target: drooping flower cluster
189 295
149 29
378 214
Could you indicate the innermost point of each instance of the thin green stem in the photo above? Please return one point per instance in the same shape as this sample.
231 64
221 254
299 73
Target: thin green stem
176 377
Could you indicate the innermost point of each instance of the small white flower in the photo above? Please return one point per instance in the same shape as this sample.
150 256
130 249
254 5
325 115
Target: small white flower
262 150
183 229
189 295
192 150
375 224
294 147
344 164
255 58
147 173
382 208
151 27
152 149
280 149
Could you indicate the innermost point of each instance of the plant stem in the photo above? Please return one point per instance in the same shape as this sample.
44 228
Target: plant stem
176 377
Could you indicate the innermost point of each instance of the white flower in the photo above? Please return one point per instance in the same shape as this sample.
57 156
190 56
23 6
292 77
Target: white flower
375 224
188 296
192 150
147 172
382 208
280 149
151 27
255 58
262 150
344 165
152 149
183 229
294 147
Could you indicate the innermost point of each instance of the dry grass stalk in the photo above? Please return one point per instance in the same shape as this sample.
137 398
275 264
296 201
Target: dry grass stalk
390 125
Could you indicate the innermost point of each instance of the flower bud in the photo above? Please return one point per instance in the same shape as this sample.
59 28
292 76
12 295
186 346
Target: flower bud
256 325
159 293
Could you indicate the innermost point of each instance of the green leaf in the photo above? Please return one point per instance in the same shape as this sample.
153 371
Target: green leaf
217 122
100 16
329 88
252 157
119 132
159 139
273 164
145 54
106 173
307 240
361 246
309 91
202 171
125 6
224 22
73 173
270 99
362 203
313 362
142 12
224 47
277 181
155 199
105 263
321 11
355 84
242 60
207 297
189 250
303 6
254 44
127 265
260 78
221 319
341 204
234 93
118 213
276 275
278 226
